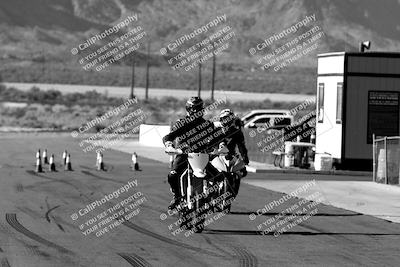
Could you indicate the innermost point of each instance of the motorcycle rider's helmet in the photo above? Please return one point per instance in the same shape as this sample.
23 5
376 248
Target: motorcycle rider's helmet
194 104
227 117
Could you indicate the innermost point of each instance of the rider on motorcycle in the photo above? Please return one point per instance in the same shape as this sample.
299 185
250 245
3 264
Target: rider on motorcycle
233 135
192 134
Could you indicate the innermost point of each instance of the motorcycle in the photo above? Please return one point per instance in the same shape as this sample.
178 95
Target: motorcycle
198 190
230 167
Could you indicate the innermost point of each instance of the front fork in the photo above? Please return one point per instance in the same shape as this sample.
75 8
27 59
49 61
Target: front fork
189 191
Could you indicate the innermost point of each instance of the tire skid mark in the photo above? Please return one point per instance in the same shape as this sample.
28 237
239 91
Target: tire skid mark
160 237
11 219
5 229
101 178
246 259
111 167
340 238
19 188
3 260
60 227
131 225
168 240
38 184
213 244
34 250
58 180
47 215
5 263
119 182
134 260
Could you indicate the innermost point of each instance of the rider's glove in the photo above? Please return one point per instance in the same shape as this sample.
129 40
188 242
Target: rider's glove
169 148
168 143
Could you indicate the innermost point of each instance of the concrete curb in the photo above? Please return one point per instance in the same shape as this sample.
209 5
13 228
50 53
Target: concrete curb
304 171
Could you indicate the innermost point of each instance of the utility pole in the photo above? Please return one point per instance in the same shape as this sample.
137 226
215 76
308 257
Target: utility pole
131 96
199 88
213 75
147 70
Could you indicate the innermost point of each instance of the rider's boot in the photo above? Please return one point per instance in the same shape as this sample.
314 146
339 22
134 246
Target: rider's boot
174 187
174 203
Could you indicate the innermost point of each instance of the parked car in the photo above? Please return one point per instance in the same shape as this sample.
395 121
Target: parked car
270 121
257 112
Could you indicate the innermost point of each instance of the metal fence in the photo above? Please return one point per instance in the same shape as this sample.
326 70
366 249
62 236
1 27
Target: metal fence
386 157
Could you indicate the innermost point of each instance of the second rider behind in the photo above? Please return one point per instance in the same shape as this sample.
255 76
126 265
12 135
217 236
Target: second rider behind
233 137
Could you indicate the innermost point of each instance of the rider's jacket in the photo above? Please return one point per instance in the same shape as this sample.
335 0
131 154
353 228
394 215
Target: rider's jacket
233 136
193 134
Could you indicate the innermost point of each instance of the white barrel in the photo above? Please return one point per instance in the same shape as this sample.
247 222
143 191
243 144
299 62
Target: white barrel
323 162
381 169
289 155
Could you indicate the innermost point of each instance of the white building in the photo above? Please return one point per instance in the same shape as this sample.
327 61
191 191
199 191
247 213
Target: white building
357 95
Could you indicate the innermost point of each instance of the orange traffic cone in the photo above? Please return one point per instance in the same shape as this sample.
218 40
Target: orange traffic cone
52 166
64 157
68 166
45 160
38 154
100 164
135 162
39 164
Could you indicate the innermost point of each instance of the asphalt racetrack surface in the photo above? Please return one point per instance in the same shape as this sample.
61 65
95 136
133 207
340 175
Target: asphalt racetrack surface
37 228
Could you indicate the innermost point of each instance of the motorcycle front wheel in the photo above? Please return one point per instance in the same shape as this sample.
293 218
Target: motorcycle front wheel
199 208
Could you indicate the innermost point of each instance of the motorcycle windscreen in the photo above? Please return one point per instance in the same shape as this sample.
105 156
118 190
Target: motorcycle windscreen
198 162
219 164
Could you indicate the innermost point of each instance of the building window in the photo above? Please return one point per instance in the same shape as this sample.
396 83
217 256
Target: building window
320 105
383 114
339 103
